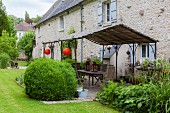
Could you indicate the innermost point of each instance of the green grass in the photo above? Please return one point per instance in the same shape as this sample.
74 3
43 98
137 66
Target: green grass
22 63
14 100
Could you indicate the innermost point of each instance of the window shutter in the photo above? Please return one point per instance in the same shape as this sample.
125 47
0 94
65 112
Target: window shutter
151 52
131 54
113 10
100 14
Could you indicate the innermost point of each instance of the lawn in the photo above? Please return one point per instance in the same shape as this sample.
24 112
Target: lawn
14 100
22 63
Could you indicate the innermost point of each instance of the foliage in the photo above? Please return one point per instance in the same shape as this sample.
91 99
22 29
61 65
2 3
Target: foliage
4 25
12 30
71 61
46 79
4 60
82 65
20 79
26 43
13 96
155 71
140 98
71 30
69 43
27 18
152 94
8 45
35 20
97 60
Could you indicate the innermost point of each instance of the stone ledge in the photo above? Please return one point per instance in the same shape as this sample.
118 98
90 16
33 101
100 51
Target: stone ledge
69 101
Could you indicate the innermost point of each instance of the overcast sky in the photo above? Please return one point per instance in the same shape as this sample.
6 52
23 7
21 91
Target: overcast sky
33 7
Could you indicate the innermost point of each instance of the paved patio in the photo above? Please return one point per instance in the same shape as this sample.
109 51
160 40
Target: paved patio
92 90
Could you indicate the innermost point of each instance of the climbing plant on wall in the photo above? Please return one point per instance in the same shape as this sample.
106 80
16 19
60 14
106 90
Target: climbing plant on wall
69 43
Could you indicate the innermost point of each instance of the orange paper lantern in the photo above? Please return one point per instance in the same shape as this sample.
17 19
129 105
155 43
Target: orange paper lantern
47 51
67 51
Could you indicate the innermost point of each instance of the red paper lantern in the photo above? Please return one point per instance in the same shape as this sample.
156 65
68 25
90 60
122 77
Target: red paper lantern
67 51
47 51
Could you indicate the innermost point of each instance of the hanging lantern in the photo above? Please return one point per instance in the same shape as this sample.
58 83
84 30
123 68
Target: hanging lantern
47 51
67 51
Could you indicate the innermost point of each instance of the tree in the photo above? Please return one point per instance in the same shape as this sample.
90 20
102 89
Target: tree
11 22
4 25
26 43
8 45
27 18
35 20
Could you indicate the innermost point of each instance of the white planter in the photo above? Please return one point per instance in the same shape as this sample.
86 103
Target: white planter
82 93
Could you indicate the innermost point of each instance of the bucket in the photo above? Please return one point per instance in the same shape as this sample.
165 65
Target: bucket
82 93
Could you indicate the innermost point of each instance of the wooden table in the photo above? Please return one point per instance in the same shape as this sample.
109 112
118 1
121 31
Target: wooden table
91 74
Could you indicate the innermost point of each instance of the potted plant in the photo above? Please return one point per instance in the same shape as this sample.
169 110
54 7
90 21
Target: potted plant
82 92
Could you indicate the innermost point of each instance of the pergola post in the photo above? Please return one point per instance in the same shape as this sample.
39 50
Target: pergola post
75 51
61 50
116 61
133 70
44 49
103 54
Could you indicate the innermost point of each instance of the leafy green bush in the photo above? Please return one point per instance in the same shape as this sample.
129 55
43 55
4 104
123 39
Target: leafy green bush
68 60
46 79
143 98
4 60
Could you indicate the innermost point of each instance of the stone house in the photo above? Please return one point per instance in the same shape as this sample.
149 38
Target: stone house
147 17
23 28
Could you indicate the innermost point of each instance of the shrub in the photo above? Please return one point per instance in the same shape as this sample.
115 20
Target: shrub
4 60
142 98
46 79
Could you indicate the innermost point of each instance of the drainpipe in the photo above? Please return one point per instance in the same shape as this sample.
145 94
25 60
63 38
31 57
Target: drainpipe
81 13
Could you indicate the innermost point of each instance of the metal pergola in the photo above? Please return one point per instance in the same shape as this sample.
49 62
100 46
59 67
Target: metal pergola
117 35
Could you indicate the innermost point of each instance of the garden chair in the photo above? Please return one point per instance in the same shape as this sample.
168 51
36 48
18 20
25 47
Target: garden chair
109 75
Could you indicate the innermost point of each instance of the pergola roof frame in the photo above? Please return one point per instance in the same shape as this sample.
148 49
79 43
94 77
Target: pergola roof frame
118 35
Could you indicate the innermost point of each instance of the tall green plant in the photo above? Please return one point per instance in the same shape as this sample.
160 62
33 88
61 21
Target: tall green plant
4 25
26 43
4 60
8 45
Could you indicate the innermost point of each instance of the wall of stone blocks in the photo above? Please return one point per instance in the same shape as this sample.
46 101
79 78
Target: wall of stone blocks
150 17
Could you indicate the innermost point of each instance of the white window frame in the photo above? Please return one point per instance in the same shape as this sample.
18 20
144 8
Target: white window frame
150 51
61 27
146 51
106 12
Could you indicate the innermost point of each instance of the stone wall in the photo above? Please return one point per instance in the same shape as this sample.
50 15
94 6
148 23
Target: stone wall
150 17
49 31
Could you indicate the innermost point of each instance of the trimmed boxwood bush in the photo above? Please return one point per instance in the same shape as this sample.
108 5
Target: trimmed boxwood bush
4 60
47 79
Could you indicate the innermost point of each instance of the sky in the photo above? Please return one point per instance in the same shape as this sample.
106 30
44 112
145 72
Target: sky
33 7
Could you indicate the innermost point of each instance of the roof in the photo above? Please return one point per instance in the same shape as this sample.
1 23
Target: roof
118 35
24 26
58 7
115 35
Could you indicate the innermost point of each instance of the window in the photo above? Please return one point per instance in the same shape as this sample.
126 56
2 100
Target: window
147 51
61 23
107 12
20 35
